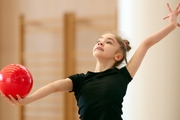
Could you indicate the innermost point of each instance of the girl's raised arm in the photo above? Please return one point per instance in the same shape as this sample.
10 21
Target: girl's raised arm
138 56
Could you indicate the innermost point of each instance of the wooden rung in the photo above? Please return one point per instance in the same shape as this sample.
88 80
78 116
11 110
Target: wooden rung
52 64
88 19
44 29
95 27
43 21
43 54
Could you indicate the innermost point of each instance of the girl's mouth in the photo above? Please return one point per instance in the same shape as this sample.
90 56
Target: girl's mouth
99 48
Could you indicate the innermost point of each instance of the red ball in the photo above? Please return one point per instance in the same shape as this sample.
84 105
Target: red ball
15 79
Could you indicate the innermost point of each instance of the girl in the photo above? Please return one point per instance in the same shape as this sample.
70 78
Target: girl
99 94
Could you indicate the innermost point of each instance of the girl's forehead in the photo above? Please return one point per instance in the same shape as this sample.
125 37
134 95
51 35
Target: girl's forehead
109 35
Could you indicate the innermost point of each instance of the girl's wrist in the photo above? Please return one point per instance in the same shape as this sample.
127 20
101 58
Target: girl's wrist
27 100
173 25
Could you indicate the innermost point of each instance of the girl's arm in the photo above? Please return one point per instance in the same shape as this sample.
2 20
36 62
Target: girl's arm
57 86
138 56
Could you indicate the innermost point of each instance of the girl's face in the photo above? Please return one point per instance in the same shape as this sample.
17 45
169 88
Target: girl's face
107 48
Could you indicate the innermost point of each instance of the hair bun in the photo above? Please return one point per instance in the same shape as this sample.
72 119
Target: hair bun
127 45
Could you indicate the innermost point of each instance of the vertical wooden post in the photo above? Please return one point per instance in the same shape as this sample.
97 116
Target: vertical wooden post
69 61
21 40
116 20
21 49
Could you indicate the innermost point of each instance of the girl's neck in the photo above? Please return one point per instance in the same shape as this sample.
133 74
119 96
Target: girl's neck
102 67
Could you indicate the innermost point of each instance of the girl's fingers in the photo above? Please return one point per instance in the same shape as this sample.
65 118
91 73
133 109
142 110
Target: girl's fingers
169 8
178 24
177 7
15 101
165 17
178 12
5 97
19 98
12 100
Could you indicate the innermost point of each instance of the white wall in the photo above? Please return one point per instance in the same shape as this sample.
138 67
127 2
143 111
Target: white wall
154 92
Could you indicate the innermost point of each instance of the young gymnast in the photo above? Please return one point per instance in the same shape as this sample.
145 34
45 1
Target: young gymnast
100 93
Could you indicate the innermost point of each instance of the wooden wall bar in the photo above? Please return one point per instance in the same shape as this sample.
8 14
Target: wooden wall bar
69 61
21 51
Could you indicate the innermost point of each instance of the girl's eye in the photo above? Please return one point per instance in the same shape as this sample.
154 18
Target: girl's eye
108 42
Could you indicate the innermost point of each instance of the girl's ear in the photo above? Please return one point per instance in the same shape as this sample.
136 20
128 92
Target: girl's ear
118 57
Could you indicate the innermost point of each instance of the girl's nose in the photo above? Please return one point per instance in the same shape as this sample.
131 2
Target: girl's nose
100 43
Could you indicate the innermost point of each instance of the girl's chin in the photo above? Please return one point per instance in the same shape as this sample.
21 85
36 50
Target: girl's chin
99 56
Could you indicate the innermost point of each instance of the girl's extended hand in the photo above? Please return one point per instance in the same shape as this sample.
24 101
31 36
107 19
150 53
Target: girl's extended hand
173 15
18 102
